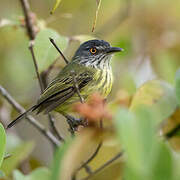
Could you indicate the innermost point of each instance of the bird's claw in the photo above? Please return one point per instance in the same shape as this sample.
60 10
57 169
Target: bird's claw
74 123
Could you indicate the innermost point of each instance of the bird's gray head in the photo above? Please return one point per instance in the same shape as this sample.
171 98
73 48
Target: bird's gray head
95 53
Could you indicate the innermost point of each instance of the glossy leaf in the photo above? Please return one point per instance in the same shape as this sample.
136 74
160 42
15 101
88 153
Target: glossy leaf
44 51
2 143
158 95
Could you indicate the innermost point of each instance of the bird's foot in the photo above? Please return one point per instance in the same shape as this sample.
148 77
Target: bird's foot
74 123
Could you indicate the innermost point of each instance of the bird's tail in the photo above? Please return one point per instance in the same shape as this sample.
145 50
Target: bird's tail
23 115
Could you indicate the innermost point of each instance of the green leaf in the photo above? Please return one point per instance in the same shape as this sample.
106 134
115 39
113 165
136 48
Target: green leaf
40 173
147 157
44 51
176 159
177 85
58 159
2 143
157 95
162 168
55 6
18 154
136 133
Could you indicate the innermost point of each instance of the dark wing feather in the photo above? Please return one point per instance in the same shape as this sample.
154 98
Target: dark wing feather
61 90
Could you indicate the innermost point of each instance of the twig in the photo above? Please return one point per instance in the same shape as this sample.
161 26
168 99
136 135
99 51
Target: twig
28 19
76 86
35 65
54 129
92 157
84 165
87 169
42 87
104 166
34 122
53 42
69 119
32 35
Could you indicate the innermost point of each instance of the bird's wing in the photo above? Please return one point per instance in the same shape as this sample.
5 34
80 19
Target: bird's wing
62 88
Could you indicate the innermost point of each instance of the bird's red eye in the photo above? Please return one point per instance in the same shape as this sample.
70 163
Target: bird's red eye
93 50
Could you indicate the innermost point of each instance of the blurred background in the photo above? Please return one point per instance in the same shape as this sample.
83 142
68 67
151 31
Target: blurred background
148 30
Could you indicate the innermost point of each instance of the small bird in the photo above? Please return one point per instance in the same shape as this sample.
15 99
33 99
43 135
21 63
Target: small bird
91 69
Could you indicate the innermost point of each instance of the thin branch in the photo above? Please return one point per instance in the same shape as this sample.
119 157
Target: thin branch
28 19
32 35
60 52
104 165
54 129
69 119
34 122
92 157
76 86
42 86
36 66
84 165
87 169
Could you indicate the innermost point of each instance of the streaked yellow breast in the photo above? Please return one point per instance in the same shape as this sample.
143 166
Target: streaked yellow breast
101 83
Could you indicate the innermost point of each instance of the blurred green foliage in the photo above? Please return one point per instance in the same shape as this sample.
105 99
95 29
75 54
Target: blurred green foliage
148 31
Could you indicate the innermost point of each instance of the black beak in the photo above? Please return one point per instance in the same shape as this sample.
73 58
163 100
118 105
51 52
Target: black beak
114 50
